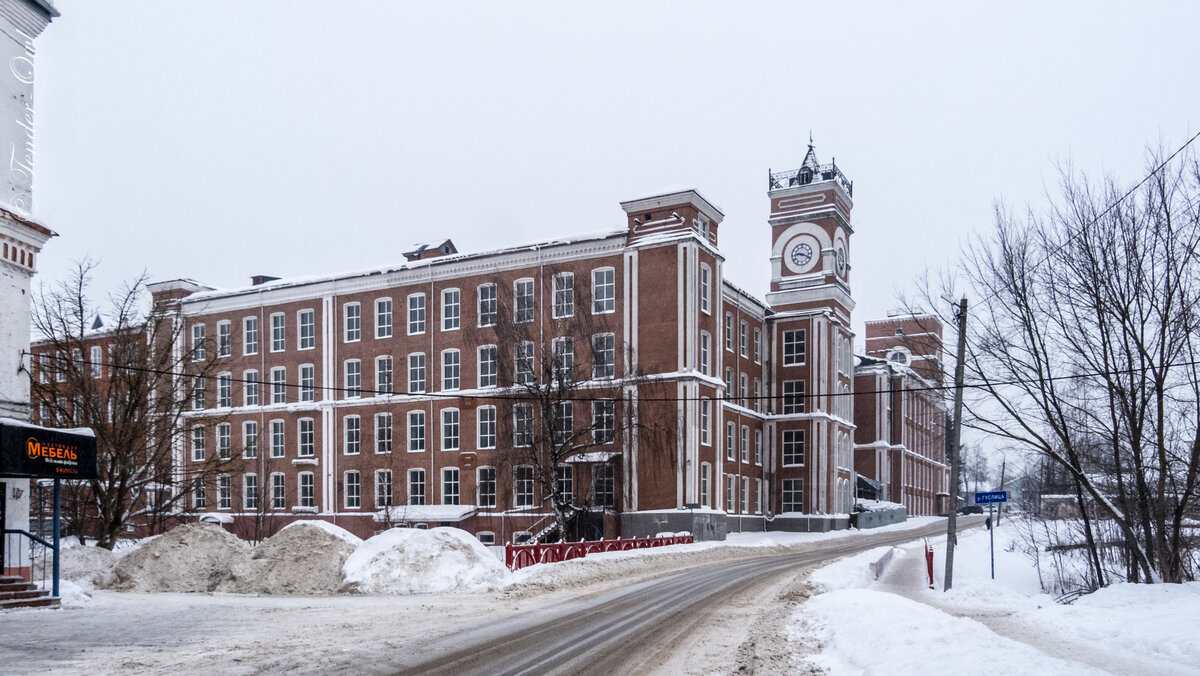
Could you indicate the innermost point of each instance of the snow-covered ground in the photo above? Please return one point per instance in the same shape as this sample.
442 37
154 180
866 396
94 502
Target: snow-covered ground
1008 623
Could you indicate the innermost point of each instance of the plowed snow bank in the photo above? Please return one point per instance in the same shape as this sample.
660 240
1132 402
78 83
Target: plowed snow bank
191 558
408 561
305 557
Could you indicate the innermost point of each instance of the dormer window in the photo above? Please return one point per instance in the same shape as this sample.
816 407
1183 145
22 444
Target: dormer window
899 355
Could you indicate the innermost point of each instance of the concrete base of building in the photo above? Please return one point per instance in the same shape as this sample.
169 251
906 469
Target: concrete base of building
746 524
702 525
864 520
809 523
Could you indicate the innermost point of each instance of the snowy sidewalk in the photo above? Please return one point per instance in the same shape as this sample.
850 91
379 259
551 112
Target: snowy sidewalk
1125 629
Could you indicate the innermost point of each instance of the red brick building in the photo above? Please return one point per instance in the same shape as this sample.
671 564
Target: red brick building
341 395
900 412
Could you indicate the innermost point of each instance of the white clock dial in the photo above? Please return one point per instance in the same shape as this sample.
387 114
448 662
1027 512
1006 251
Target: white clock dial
802 254
841 260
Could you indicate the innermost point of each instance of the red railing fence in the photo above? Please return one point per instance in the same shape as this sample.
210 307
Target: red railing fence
517 557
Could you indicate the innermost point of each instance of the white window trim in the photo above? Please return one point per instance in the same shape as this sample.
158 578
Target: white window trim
346 322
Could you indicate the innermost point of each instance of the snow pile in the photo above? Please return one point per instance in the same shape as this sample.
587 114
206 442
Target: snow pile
409 560
191 558
923 640
877 505
305 557
853 571
91 567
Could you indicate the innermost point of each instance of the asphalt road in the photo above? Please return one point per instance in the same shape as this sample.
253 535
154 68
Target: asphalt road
620 631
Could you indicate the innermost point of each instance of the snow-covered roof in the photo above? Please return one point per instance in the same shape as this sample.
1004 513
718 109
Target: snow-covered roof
593 456
13 422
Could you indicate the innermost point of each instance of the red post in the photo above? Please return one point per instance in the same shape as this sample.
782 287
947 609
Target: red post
929 561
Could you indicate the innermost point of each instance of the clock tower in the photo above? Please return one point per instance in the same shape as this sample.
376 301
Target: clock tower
812 344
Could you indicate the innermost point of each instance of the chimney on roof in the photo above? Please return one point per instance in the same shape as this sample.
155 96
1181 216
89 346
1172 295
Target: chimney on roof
431 250
257 280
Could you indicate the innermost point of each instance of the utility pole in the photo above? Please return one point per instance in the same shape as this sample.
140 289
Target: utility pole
956 445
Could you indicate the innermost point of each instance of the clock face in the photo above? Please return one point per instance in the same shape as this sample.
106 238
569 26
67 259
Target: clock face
841 260
802 254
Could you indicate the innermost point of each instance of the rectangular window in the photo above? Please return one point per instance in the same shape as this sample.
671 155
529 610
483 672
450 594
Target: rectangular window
198 394
197 444
224 390
416 431
451 370
383 432
451 309
603 355
758 447
383 375
705 428
277 439
383 318
563 424
416 486
729 394
250 388
564 295
352 322
250 439
794 348
744 339
97 361
603 421
705 342
487 305
199 498
250 336
793 495
308 497
449 485
383 488
523 486
793 396
278 491
486 416
745 495
308 383
564 480
487 366
198 347
279 385
416 314
730 492
705 290
757 346
758 395
523 366
793 447
224 440
352 435
564 359
353 489
224 347
450 433
250 491
523 305
744 390
758 496
278 332
745 444
604 291
522 424
730 440
353 378
416 372
308 329
729 331
705 470
602 485
308 440
485 486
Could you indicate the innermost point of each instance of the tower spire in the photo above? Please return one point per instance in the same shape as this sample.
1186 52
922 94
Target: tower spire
810 158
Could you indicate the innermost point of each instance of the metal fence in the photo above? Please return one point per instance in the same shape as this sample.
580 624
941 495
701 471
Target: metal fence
520 556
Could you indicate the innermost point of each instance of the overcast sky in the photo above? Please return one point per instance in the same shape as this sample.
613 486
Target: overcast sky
218 140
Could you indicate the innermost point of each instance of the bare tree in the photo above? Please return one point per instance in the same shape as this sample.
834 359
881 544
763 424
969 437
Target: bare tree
566 395
129 379
1083 343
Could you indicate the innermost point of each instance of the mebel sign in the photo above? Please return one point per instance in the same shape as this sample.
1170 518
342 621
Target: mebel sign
28 450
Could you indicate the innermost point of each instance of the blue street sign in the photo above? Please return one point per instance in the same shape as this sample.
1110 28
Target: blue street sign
990 497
